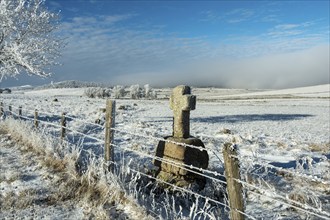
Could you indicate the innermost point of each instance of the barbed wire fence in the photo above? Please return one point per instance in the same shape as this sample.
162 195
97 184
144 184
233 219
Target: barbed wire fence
253 184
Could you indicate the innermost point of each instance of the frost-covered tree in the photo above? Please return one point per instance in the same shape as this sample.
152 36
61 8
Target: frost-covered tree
119 91
147 90
149 93
135 91
153 94
93 92
28 40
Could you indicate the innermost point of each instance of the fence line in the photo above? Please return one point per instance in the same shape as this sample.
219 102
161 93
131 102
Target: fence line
140 173
189 168
214 172
192 168
144 136
43 122
240 157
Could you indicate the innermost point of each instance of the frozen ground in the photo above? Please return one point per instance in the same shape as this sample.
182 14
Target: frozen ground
25 186
287 129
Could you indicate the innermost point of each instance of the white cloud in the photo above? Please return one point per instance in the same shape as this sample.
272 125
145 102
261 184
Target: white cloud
286 26
270 18
233 16
209 16
100 45
239 15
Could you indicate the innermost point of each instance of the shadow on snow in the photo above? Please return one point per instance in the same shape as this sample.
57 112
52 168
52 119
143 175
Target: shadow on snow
250 118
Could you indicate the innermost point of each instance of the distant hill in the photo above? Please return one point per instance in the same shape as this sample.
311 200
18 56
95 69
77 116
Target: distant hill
19 88
70 84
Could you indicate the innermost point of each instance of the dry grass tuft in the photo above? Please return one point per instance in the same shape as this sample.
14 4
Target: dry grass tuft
94 189
303 199
10 177
322 187
21 201
56 164
281 145
324 148
298 197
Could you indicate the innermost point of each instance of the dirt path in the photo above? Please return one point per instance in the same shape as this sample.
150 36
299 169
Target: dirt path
25 186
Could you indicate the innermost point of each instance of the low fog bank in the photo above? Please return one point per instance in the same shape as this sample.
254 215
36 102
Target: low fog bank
296 69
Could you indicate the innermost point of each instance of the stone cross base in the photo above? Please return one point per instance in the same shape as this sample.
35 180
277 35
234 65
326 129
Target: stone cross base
181 155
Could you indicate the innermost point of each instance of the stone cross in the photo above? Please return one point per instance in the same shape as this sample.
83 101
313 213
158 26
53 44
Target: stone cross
182 102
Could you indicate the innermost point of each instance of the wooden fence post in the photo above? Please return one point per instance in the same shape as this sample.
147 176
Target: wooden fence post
20 111
63 125
234 188
2 112
36 122
10 110
109 132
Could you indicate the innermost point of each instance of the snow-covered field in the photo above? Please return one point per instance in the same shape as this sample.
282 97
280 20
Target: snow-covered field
274 130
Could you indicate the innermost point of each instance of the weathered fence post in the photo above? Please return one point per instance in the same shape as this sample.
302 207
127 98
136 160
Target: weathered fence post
109 132
63 125
2 112
20 111
36 122
234 188
10 110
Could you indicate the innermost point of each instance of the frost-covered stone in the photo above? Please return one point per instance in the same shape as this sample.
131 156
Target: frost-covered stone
181 150
181 154
182 102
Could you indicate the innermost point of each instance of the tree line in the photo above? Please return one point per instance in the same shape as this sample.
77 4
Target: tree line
119 91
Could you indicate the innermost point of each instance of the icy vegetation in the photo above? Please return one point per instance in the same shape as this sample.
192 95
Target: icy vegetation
39 170
282 139
28 40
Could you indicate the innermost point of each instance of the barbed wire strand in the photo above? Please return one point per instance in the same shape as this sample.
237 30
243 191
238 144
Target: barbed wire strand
286 199
178 165
161 139
293 206
265 164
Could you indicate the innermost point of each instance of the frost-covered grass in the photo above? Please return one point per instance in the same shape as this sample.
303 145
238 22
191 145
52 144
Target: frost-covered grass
96 193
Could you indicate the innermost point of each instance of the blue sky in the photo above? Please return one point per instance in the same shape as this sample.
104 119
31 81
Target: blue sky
242 44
